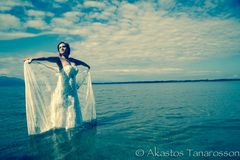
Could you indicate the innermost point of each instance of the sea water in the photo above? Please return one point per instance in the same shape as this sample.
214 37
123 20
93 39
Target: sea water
197 120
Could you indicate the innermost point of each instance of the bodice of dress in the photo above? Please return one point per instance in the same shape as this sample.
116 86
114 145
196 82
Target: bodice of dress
67 80
70 71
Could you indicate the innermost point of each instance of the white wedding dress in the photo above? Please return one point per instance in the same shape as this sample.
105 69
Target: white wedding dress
57 99
65 103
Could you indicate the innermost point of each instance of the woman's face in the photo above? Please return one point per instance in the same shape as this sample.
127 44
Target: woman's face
62 48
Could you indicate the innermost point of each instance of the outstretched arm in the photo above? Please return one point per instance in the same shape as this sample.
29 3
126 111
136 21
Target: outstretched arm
78 62
49 59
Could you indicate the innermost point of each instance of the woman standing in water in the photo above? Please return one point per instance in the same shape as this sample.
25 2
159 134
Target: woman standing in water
65 104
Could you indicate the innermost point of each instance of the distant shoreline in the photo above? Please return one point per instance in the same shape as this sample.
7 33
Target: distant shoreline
167 81
6 81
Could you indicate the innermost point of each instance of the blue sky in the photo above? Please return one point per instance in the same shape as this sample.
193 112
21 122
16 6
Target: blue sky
126 40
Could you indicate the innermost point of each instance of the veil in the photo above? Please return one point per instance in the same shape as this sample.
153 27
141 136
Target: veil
41 78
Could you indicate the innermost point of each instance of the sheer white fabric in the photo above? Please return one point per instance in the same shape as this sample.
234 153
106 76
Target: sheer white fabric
57 99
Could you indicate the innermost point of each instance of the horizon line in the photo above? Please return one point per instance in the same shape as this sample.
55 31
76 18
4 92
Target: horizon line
168 81
152 81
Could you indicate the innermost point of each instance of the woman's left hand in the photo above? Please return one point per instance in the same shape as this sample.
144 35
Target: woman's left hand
29 59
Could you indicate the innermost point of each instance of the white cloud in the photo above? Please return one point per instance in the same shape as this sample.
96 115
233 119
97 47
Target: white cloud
72 16
35 13
94 4
61 1
38 14
235 76
67 21
83 31
9 22
13 65
128 10
202 72
61 22
106 14
36 20
144 70
15 35
4 71
9 4
8 66
37 24
167 4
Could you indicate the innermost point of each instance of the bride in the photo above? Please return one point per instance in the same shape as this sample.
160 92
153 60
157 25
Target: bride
64 109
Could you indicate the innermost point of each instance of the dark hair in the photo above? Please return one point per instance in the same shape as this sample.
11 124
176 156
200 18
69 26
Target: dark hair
67 47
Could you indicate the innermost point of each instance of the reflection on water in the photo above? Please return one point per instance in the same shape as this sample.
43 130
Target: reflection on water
115 118
62 144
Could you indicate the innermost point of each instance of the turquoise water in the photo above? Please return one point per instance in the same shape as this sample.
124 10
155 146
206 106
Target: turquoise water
135 121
